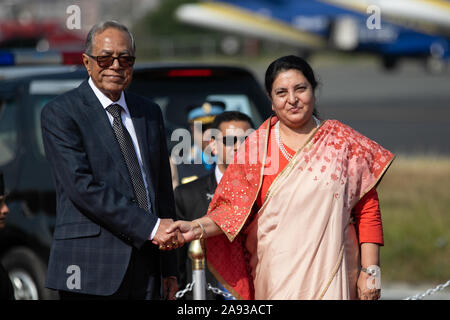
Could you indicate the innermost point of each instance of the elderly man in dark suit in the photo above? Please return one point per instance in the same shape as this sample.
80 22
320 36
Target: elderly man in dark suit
192 199
108 152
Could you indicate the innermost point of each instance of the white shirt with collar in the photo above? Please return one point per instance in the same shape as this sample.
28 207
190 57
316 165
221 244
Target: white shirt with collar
218 173
128 123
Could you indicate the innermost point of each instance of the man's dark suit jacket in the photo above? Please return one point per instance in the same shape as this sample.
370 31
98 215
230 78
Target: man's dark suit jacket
191 202
98 221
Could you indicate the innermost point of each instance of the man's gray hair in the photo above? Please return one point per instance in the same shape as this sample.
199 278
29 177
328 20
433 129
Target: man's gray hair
102 26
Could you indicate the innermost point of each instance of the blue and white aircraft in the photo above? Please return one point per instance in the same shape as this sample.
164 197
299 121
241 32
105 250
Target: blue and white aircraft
391 29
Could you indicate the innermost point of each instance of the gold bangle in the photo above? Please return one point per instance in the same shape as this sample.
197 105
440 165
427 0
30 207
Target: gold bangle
203 230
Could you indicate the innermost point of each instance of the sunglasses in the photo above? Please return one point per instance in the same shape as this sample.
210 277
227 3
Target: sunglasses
107 61
233 139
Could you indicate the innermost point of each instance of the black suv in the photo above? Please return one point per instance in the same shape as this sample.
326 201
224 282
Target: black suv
26 239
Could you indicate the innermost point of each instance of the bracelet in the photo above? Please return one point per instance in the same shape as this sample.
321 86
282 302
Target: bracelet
203 230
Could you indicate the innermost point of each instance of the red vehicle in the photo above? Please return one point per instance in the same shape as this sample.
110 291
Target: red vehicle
41 36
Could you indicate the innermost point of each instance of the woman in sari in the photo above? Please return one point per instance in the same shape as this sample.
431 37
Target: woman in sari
296 216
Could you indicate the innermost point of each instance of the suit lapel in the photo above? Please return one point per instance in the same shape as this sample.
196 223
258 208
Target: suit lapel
98 119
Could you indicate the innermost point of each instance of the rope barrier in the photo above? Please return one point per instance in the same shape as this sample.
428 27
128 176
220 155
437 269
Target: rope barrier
190 286
429 292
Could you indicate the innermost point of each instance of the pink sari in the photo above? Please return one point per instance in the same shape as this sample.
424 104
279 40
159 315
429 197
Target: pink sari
299 244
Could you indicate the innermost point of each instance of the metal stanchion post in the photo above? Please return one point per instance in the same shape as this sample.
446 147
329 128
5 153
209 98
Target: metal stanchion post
197 256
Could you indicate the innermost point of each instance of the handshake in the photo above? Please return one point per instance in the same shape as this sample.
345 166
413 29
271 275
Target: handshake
174 234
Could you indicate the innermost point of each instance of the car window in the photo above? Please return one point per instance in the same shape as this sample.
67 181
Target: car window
8 132
42 91
175 96
237 102
175 114
53 87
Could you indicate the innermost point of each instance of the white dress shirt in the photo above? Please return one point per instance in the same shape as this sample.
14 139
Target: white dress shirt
218 173
128 123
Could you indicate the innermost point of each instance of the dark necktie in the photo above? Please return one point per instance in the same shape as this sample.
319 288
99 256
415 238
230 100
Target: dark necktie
129 154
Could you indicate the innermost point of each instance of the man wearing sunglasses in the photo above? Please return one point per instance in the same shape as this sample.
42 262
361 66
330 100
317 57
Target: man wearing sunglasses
229 130
107 148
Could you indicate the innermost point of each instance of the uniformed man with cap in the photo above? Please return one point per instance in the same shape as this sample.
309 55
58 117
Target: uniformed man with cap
197 163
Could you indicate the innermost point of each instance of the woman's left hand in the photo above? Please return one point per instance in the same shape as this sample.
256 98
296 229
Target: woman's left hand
364 288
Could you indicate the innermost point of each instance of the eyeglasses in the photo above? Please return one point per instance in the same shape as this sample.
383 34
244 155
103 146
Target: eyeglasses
233 139
107 61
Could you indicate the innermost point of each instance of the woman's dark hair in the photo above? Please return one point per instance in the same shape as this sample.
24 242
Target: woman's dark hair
288 63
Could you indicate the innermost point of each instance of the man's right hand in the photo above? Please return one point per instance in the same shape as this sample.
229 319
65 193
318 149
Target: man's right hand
167 240
186 229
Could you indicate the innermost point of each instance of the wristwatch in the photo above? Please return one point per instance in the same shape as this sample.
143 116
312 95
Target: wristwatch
371 270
